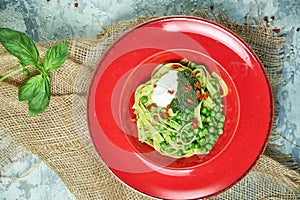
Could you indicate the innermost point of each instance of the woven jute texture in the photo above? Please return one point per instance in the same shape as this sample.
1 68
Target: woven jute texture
59 136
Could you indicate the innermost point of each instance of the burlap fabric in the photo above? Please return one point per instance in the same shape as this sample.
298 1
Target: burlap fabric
59 136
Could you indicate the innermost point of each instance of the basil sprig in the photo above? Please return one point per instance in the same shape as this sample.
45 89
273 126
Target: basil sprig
36 89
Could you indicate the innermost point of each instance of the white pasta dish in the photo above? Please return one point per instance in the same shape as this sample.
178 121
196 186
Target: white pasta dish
180 110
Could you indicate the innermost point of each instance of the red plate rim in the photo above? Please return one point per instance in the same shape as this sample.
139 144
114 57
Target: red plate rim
91 115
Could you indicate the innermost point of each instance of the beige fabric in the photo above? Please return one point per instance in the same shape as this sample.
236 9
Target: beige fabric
59 136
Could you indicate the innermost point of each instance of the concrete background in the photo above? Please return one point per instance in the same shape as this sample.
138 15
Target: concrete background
53 19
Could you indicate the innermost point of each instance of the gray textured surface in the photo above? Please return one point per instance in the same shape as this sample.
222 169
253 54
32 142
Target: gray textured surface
53 20
39 182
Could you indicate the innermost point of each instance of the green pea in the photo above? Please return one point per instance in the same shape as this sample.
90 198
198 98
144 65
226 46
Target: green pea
207 113
192 65
203 150
187 147
202 141
203 118
201 134
204 110
205 126
189 117
191 134
196 131
161 128
204 131
178 117
220 131
220 125
211 129
208 147
216 108
212 113
211 124
177 120
222 119
208 119
213 82
219 100
210 138
179 153
163 144
196 145
216 137
144 99
219 115
173 138
192 146
216 95
170 150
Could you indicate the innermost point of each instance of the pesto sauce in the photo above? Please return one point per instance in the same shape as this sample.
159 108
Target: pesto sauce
186 92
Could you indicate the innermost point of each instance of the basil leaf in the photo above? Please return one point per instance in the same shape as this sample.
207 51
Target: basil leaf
47 84
40 101
20 45
30 88
56 56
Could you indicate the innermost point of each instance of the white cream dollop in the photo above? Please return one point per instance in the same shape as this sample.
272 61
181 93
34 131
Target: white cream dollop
166 88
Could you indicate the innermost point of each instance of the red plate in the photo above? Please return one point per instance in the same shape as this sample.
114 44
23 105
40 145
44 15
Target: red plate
129 62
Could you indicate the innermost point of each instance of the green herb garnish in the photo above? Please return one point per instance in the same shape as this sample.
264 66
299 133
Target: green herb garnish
36 90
